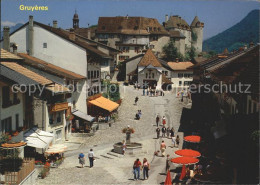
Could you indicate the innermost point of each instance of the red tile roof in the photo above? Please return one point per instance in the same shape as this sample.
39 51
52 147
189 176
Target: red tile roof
130 25
149 59
177 66
26 72
5 55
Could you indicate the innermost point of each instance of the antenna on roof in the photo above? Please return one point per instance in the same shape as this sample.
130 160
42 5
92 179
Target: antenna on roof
75 10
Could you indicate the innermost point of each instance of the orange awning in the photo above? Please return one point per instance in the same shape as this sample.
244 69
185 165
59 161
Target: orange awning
105 103
13 145
192 139
188 153
185 160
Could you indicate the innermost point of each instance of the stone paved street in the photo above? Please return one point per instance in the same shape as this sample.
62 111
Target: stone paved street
110 169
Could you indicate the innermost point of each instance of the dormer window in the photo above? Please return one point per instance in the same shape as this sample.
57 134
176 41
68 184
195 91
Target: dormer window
136 27
120 27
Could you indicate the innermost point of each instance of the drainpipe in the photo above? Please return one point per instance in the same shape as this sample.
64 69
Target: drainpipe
43 115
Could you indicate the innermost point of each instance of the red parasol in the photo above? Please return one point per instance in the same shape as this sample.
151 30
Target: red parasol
168 180
185 160
188 153
183 172
192 139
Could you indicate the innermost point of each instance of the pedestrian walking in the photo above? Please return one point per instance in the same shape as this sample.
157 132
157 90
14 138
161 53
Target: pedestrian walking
157 120
136 167
163 148
136 100
164 120
91 158
81 159
163 131
143 91
168 162
177 141
173 141
139 113
146 168
147 92
124 146
172 132
168 131
158 132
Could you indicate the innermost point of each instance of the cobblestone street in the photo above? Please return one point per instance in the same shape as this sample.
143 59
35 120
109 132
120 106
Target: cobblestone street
117 169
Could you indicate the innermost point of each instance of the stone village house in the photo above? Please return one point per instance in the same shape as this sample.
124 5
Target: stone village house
131 35
147 68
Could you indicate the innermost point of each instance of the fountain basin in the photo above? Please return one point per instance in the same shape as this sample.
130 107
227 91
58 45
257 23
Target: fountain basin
132 148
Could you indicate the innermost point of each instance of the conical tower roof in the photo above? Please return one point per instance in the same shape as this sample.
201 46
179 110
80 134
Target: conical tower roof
194 22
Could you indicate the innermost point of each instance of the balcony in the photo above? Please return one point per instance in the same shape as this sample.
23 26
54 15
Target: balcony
24 172
56 107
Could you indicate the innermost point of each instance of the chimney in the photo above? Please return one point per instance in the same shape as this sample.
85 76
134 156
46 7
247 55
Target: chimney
166 18
14 46
55 24
72 35
245 47
177 59
6 45
30 36
89 34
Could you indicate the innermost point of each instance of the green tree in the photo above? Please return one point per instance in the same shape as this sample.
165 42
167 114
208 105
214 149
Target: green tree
171 52
114 93
190 53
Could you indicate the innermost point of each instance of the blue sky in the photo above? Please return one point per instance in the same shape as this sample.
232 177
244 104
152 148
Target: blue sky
217 15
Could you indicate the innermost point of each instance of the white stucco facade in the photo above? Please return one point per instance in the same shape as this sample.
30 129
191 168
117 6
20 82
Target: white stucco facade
181 78
57 51
150 73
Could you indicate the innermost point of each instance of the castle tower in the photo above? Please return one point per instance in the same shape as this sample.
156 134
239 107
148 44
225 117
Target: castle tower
197 34
75 20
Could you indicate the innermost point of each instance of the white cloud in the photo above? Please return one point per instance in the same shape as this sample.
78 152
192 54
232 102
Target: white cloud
8 23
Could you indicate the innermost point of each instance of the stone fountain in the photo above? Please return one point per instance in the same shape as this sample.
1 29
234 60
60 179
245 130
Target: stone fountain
131 147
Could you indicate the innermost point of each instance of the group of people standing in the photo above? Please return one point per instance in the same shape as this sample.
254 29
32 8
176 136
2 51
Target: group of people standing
138 166
152 92
168 133
91 158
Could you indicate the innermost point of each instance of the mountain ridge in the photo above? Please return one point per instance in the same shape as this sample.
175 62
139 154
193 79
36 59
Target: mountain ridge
242 33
